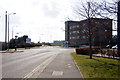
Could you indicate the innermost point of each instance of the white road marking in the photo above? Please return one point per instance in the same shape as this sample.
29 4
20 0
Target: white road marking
39 68
57 73
69 65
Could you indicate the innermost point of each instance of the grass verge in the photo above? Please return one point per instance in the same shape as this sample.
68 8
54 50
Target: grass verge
97 67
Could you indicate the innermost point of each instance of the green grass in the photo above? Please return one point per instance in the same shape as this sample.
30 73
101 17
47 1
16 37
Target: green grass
97 67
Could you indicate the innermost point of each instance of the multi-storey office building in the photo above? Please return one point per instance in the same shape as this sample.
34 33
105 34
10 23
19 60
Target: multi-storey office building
77 32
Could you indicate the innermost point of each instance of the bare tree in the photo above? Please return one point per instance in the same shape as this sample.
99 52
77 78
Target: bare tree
92 9
88 10
108 9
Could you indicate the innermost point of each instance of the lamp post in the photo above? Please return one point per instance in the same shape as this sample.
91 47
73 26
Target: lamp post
13 31
8 26
5 29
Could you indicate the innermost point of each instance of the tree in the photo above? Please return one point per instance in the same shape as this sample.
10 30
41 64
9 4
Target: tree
88 10
92 9
108 9
113 9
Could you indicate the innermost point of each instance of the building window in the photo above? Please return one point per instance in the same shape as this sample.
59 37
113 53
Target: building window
101 37
83 37
102 30
105 23
102 23
73 32
77 26
78 32
77 37
73 37
73 43
85 31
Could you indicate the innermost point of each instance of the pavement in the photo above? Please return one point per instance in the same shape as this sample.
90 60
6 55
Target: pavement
12 50
63 66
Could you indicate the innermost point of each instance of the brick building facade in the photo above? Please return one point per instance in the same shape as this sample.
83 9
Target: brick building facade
77 32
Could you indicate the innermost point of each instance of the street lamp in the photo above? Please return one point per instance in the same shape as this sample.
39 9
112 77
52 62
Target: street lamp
5 29
13 31
8 26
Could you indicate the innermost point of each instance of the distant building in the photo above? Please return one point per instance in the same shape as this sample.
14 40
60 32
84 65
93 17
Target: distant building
77 32
1 45
59 43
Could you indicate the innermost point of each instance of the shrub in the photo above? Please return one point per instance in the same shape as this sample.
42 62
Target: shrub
86 50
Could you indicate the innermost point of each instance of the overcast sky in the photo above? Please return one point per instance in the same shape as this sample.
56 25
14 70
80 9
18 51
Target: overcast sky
39 19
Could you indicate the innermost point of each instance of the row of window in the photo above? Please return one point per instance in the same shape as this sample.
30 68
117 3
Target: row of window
86 37
74 32
102 23
78 43
80 31
79 37
102 30
75 26
85 24
87 31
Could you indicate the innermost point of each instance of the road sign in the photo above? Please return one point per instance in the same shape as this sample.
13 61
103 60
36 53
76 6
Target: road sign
28 40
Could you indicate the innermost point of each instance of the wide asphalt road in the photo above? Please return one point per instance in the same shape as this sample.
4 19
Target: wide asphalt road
29 63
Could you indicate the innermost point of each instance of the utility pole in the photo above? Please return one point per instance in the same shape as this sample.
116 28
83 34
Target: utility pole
5 29
118 27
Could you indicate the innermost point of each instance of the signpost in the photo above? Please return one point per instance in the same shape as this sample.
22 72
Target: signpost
118 26
28 40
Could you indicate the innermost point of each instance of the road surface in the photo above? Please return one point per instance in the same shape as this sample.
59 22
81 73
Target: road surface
46 62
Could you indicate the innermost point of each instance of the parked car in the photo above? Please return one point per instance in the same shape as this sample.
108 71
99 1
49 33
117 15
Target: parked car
108 46
114 47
